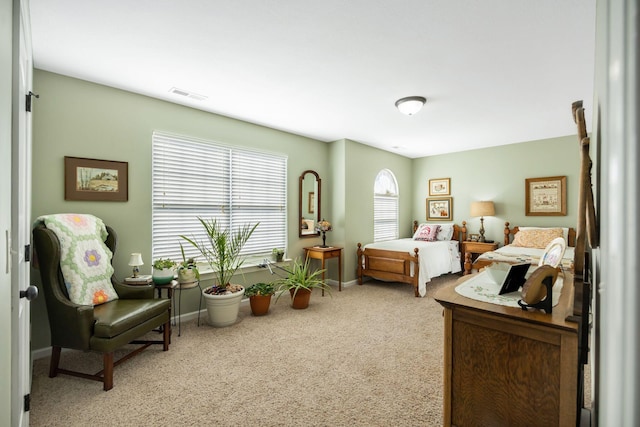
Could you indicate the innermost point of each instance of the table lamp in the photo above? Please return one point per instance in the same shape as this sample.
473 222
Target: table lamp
323 226
136 261
482 209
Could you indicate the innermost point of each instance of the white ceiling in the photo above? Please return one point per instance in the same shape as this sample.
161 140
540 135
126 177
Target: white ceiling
494 72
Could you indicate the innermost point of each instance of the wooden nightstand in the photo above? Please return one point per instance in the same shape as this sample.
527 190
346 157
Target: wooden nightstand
475 248
322 254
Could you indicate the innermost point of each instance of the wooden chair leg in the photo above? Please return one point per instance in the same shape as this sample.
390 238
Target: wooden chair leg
108 371
167 335
55 361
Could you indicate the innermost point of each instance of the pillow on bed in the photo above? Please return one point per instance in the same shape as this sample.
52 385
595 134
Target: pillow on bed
536 237
445 232
426 232
565 231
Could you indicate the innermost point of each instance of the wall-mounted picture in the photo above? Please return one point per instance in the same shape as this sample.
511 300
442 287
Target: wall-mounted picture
440 187
95 180
440 209
312 201
546 196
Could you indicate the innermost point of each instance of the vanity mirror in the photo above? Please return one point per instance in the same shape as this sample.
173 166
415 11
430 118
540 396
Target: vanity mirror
309 203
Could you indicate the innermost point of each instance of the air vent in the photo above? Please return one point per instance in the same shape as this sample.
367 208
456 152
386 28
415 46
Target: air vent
187 94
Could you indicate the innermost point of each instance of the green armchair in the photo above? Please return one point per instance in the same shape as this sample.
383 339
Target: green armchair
102 328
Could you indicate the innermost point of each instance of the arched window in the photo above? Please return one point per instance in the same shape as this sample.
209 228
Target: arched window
385 206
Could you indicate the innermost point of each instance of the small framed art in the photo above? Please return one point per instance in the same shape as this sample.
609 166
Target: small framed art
95 180
546 196
440 187
439 209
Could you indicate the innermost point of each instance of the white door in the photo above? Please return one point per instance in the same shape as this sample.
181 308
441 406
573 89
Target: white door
21 226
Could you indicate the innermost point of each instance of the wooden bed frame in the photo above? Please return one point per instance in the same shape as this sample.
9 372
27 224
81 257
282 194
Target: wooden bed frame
396 265
508 238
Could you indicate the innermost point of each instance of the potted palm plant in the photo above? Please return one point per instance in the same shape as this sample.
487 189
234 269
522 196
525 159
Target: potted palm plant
300 281
188 273
260 297
163 271
221 249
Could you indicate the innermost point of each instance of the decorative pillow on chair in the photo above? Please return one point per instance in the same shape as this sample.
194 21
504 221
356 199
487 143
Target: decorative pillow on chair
426 232
85 260
536 238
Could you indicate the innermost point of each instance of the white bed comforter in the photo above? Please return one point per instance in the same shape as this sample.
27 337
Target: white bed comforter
436 258
516 254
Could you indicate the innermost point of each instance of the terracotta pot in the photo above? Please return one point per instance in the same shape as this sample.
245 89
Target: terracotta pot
260 304
301 298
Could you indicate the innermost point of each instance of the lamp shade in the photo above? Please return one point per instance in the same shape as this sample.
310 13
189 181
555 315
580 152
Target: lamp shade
324 225
482 209
410 105
136 259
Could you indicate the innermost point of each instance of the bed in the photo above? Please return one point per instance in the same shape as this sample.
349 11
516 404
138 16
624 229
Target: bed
433 250
528 247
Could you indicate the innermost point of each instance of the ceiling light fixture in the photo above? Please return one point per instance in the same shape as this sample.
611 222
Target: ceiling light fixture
410 105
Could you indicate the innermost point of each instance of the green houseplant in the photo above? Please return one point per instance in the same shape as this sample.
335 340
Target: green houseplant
163 271
188 273
260 297
300 281
221 249
278 254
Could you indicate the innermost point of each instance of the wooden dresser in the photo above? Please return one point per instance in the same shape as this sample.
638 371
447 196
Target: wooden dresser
507 367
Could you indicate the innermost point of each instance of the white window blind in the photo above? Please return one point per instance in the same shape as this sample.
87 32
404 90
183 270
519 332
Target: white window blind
385 207
192 178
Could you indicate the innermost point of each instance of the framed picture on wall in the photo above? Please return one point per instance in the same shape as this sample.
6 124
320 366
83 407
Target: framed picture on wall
546 196
312 201
440 187
95 180
440 209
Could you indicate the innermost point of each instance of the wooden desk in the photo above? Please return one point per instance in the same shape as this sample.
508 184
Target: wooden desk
506 366
316 252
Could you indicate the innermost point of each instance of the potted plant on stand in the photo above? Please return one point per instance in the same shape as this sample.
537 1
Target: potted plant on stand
221 250
188 273
300 282
260 297
163 271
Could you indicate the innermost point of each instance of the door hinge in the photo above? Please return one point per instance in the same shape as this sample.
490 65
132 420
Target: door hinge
27 253
28 102
27 402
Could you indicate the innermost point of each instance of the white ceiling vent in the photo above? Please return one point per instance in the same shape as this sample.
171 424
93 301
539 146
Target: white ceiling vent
188 94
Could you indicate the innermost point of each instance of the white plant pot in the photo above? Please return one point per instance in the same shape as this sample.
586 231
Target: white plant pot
222 310
186 276
162 277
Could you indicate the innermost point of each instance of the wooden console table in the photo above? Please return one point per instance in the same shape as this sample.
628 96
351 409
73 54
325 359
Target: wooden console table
317 252
505 367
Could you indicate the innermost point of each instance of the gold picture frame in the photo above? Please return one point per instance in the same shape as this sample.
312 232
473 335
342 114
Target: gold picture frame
546 196
440 187
95 180
439 209
312 202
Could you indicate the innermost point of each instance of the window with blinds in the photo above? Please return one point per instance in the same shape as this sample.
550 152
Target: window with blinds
192 178
385 206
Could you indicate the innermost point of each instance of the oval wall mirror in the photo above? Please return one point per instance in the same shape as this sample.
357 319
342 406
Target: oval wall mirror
310 198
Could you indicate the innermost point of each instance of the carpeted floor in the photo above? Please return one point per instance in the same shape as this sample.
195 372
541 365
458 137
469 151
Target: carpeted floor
371 355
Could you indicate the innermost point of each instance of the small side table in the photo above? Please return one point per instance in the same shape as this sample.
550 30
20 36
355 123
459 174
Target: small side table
470 248
183 287
169 287
322 254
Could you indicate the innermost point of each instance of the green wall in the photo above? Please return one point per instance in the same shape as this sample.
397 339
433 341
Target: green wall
81 119
499 174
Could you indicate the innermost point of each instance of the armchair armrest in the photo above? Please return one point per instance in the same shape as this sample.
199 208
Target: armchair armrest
132 291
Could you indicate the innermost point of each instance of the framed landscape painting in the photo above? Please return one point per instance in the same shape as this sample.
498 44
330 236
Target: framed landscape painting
95 180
